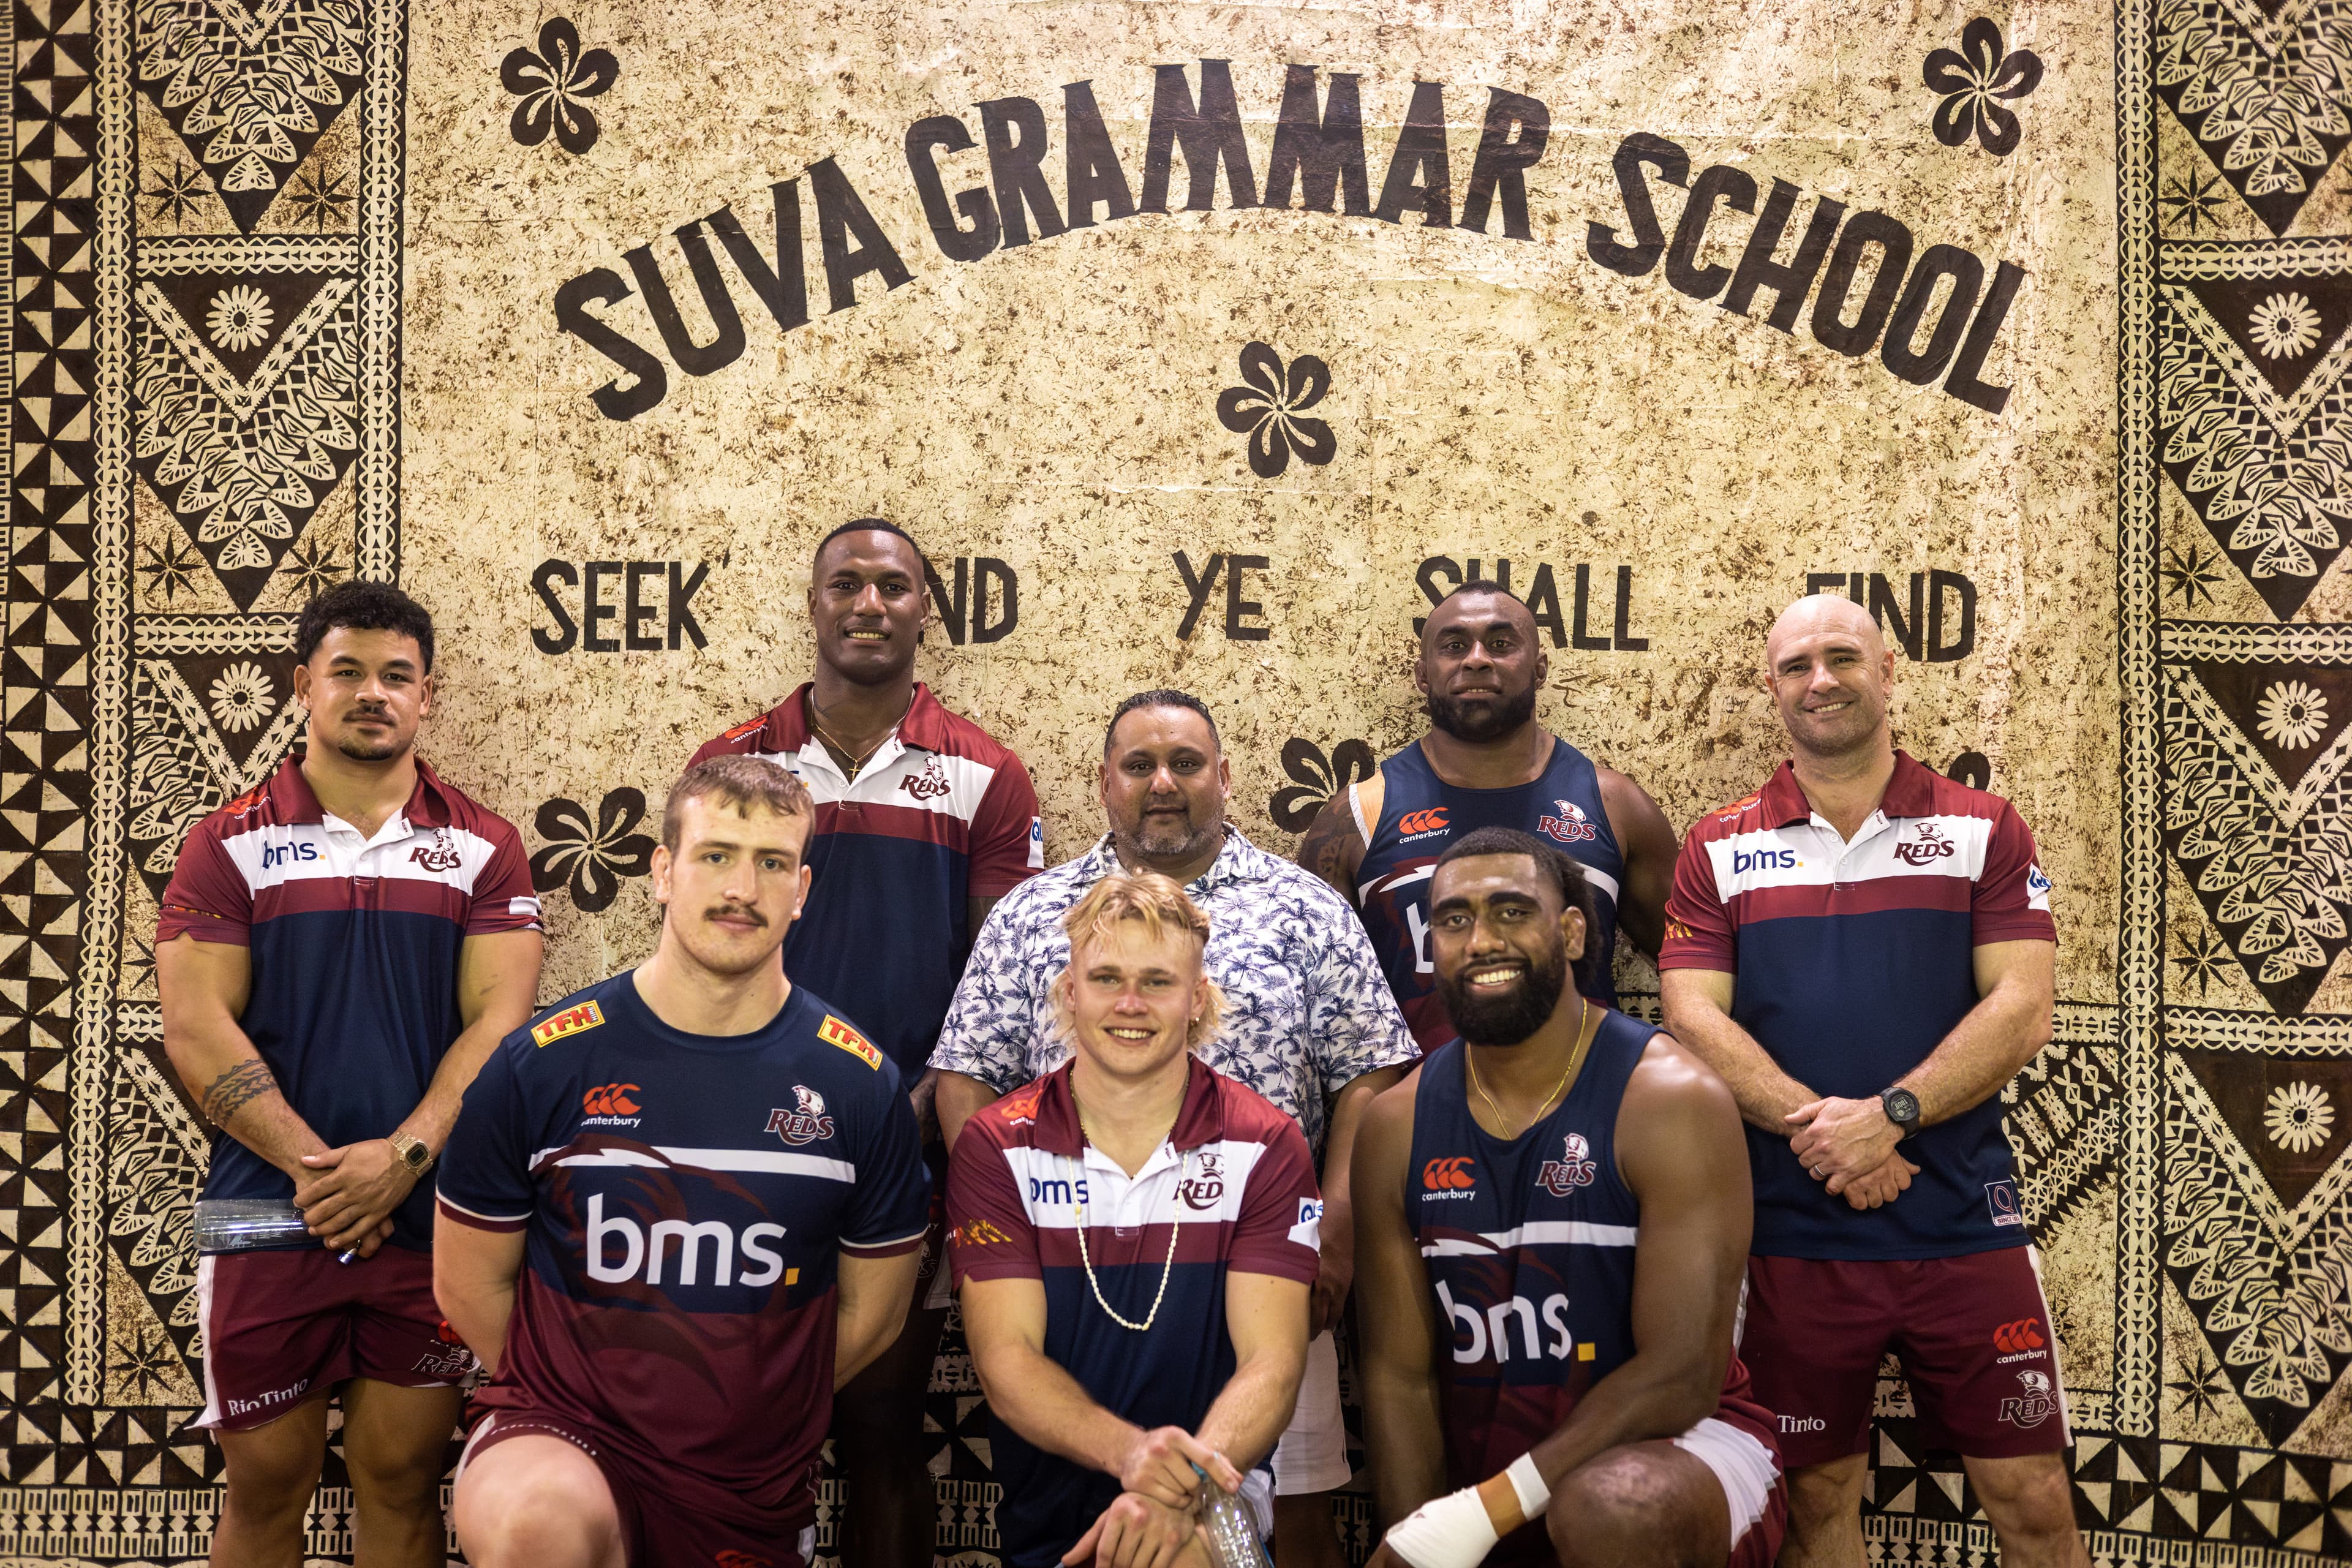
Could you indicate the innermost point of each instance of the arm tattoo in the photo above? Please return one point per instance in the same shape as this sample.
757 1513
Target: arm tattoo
234 1090
1323 851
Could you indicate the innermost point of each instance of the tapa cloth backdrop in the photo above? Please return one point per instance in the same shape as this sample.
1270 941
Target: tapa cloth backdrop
1208 346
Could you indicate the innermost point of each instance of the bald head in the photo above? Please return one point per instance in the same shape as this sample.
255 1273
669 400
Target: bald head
1830 674
1823 613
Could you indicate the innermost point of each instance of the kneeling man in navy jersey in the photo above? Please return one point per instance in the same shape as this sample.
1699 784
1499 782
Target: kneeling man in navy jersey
677 1212
1552 1217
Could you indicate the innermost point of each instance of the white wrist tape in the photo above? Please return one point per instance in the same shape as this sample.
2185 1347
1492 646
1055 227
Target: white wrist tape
1451 1532
1528 1482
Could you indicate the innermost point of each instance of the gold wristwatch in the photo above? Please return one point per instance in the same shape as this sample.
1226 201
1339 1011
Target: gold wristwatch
413 1153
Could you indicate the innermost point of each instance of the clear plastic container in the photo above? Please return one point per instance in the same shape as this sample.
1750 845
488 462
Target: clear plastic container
1231 1526
247 1225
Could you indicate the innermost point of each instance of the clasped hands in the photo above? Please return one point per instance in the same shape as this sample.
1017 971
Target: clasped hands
1155 1520
1849 1145
348 1198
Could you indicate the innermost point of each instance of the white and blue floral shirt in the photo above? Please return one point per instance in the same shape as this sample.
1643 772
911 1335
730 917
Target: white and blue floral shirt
1307 1010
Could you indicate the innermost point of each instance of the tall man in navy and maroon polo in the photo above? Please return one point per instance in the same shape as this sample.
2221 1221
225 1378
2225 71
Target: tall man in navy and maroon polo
337 953
923 821
1864 949
677 1212
1487 762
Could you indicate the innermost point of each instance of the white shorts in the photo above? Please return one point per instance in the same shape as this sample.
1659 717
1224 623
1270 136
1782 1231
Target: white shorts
1312 1456
1744 1467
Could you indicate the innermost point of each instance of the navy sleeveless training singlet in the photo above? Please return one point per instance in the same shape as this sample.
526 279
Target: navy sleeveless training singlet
1420 814
1529 1249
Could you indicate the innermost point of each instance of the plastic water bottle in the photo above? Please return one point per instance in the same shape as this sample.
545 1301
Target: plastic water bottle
1231 1526
246 1225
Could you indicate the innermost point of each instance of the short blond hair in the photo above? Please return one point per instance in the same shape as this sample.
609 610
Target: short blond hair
1163 908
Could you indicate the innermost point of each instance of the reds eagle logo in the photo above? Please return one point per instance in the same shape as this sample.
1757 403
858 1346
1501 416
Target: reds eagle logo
804 1123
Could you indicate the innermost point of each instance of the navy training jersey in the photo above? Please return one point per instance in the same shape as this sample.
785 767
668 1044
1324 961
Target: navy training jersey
1422 814
686 1199
940 814
354 944
1530 1248
1851 963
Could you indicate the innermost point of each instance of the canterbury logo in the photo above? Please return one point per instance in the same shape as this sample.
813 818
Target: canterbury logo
1439 1176
609 1100
1677 931
1429 821
2025 1334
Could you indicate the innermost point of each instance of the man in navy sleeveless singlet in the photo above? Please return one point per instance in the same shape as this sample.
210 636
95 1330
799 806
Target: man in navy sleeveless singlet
1552 1218
1487 762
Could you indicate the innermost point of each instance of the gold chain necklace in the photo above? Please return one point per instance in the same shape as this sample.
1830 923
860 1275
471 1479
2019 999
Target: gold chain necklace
1175 1222
857 763
1575 1059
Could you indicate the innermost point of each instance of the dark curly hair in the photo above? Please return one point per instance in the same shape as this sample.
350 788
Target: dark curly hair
362 607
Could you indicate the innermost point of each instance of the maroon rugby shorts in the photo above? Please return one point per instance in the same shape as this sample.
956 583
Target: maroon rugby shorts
668 1519
282 1329
1972 1333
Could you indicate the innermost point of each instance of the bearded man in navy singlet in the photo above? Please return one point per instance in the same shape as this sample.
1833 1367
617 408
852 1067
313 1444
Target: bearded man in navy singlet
1486 762
1552 1217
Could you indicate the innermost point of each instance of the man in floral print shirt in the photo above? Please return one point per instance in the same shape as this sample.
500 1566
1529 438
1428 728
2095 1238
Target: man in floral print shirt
1310 1022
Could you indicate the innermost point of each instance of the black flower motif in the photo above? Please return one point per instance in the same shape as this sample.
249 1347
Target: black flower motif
550 84
2194 200
2192 574
1320 778
1268 410
178 190
2203 957
593 860
1971 78
319 200
312 568
169 568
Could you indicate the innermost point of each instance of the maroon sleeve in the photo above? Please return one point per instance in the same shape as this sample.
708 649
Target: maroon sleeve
1699 932
207 897
1278 1229
503 896
2011 898
989 1232
1008 840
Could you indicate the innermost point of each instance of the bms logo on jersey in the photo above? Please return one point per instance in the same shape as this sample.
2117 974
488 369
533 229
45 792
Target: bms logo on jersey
804 1124
1570 827
1308 1231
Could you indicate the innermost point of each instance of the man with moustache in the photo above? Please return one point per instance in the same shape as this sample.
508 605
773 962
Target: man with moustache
1311 1025
1864 949
923 821
1486 761
679 1212
1134 1236
1554 1216
337 953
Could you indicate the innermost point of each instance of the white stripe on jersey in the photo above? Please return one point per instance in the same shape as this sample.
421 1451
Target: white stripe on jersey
885 780
271 856
1803 855
493 1218
1597 878
1052 1186
1541 1232
774 1162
